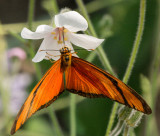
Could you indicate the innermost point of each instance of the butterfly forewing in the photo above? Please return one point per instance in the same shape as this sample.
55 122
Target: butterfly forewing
88 80
44 93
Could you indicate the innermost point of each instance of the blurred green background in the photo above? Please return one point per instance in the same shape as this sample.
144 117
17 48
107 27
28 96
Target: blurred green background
117 22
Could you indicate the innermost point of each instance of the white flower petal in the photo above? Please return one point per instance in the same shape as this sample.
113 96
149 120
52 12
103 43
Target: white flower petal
44 28
48 44
85 41
42 31
72 21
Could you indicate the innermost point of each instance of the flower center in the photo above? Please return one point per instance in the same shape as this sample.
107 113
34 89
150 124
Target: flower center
60 35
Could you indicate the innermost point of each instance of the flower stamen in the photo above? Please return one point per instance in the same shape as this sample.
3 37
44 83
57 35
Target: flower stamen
65 30
60 42
53 33
55 37
65 38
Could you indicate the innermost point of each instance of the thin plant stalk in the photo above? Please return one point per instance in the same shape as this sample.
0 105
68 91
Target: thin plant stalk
133 53
137 41
31 50
73 115
102 55
55 121
31 13
55 6
111 118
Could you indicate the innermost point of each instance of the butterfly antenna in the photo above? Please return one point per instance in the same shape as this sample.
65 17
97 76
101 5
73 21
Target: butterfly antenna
85 49
48 50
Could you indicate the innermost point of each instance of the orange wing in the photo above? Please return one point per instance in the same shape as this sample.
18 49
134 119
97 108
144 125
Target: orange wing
43 94
86 79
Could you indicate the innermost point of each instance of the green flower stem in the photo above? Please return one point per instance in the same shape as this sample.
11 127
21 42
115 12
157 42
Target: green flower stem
73 115
36 66
55 6
100 5
31 50
137 41
132 58
55 121
18 37
38 71
100 51
31 13
111 118
126 131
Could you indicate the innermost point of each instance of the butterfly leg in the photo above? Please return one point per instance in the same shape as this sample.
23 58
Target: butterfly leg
50 59
49 54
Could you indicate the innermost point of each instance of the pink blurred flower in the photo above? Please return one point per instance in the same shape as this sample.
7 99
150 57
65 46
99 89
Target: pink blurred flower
18 93
16 52
14 81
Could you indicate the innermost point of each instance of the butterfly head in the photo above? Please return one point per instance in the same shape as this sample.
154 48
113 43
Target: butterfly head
65 50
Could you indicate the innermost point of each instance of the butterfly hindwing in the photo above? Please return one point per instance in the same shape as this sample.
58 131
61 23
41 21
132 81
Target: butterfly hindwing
44 93
88 80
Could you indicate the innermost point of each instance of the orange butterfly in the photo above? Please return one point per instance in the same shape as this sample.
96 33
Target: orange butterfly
81 77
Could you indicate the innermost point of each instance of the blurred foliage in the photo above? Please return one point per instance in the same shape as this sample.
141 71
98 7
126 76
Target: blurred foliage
116 21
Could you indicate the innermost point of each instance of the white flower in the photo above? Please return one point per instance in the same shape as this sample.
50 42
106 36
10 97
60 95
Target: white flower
64 34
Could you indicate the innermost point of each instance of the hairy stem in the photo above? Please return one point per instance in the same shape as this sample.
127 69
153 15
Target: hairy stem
137 41
102 55
132 58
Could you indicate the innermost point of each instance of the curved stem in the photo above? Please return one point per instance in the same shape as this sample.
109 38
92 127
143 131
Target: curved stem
137 41
100 51
133 56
